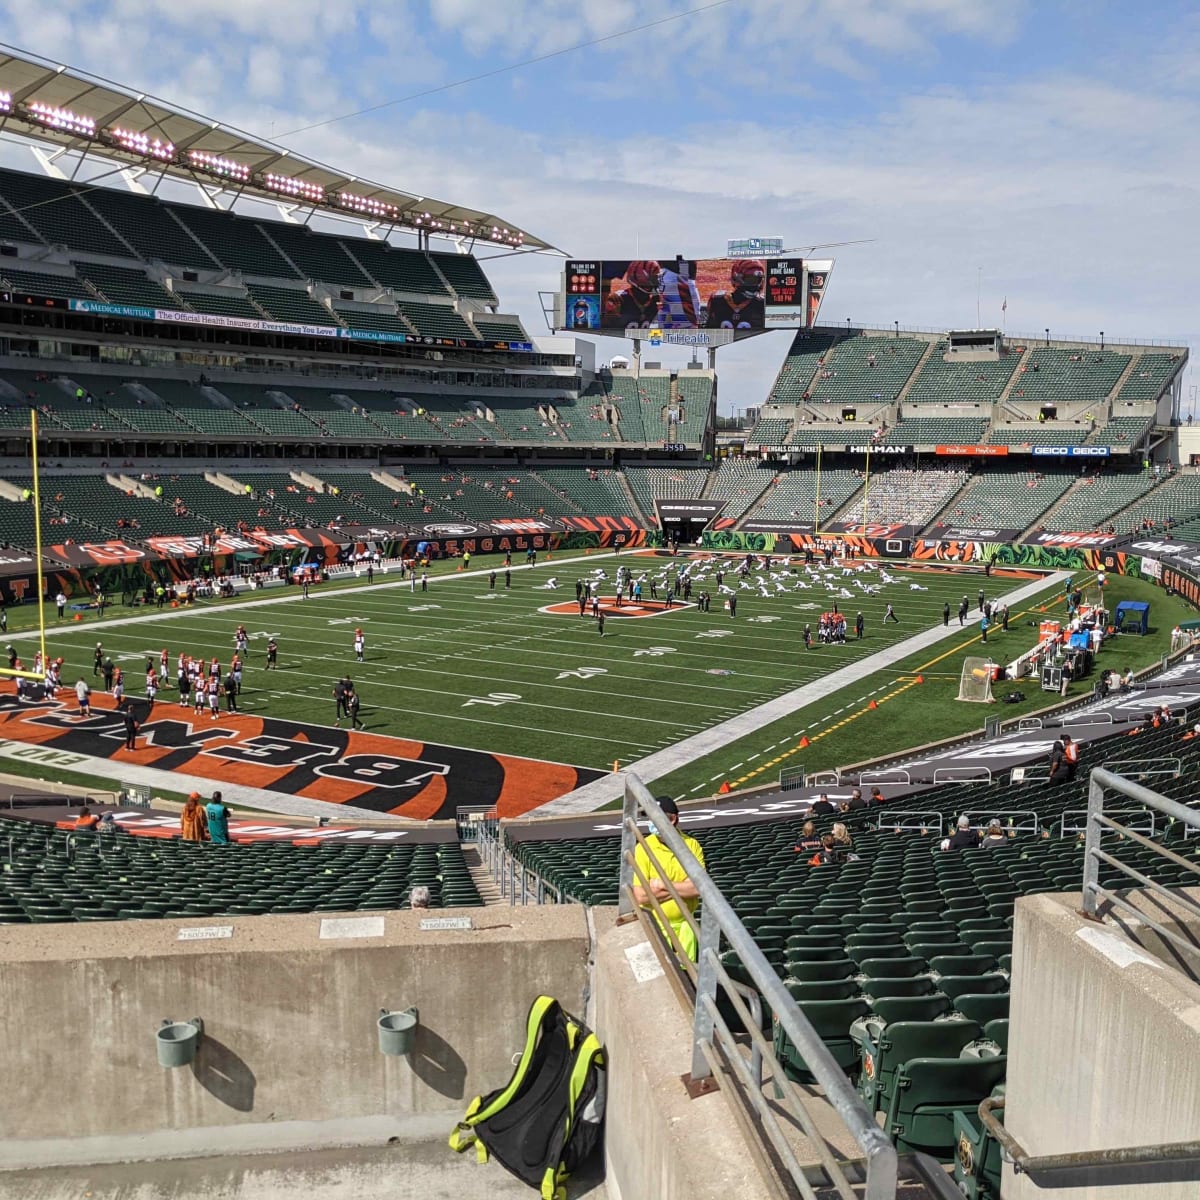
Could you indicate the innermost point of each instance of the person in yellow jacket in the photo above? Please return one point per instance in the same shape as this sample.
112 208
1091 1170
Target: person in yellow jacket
656 862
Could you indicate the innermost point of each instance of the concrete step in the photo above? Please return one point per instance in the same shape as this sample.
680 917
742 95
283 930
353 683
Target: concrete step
485 885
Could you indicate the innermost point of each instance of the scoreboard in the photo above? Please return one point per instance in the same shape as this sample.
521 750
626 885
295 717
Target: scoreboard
785 282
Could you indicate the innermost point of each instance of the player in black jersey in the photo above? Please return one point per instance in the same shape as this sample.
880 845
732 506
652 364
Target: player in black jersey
742 306
639 300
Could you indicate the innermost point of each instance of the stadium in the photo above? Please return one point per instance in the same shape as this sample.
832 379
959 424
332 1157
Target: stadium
460 620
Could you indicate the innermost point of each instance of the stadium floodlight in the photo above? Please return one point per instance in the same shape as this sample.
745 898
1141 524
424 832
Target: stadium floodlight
287 185
60 118
137 142
5 102
368 206
214 164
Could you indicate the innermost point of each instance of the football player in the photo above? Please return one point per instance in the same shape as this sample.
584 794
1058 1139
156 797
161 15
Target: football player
638 302
742 306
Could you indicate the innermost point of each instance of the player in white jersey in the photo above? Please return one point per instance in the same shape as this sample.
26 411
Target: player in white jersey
360 645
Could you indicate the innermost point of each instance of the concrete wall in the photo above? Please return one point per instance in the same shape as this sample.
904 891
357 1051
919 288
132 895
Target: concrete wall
1104 1045
290 1049
658 1142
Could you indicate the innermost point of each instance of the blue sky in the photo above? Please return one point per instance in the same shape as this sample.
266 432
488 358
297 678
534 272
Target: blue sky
1055 146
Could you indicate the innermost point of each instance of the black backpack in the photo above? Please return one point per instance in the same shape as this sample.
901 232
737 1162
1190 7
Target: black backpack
549 1116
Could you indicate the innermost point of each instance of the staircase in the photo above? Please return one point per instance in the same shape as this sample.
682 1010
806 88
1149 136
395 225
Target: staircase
485 885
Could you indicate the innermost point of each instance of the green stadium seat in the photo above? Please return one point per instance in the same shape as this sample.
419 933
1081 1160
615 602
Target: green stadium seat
890 1009
831 1019
894 968
823 969
961 985
877 986
928 1092
830 989
962 964
983 1007
884 1051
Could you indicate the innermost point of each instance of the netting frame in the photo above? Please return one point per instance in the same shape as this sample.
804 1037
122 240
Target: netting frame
975 682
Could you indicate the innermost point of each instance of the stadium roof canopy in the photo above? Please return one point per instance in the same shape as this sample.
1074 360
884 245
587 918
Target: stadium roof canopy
83 113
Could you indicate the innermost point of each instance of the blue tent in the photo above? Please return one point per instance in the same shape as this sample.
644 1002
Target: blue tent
1133 616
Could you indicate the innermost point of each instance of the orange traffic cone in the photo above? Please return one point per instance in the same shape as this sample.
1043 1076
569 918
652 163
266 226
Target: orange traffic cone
872 705
77 617
919 679
724 789
803 743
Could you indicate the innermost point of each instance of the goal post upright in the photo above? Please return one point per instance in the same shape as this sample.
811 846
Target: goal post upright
37 532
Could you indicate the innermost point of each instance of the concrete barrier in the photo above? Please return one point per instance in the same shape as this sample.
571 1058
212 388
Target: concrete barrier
290 1051
1104 1045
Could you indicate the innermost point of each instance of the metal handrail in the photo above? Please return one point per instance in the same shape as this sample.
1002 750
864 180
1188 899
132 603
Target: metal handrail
1132 1166
981 818
711 1037
977 774
1144 766
1098 822
910 820
1075 820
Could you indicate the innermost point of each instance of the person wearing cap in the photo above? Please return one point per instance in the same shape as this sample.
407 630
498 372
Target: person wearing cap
656 862
86 819
360 645
962 837
192 820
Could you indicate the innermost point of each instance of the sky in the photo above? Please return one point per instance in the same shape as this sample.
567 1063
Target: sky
1047 155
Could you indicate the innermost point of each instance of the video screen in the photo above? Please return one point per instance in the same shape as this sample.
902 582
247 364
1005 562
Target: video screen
705 293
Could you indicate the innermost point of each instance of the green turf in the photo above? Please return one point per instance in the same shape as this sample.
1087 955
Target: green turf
464 666
922 712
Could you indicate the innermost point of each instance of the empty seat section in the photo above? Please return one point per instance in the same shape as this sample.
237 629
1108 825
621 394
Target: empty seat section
1068 376
1095 500
739 482
594 492
1008 500
226 303
863 368
126 285
215 506
311 506
256 406
52 878
92 499
379 318
1149 378
37 283
150 228
321 407
495 328
200 412
936 431
1123 433
664 483
436 320
465 276
235 242
949 380
769 431
290 304
60 213
1169 505
398 268
317 255
795 492
804 358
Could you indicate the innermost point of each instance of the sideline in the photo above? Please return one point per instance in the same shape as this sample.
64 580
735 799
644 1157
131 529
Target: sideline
655 766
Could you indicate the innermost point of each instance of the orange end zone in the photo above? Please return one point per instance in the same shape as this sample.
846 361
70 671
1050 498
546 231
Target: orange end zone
378 772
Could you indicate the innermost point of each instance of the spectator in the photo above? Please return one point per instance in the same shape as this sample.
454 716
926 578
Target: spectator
841 837
1064 759
83 693
962 837
877 797
86 819
216 812
823 807
994 838
808 839
192 820
419 897
855 802
656 863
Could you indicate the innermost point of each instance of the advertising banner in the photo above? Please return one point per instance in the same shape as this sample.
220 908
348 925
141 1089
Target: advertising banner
972 451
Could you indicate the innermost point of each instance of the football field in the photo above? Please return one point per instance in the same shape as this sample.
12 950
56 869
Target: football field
518 672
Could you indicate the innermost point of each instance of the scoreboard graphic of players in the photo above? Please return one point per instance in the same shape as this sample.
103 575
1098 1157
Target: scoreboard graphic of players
742 295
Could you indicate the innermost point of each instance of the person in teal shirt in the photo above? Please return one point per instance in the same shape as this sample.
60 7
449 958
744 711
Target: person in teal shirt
217 812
